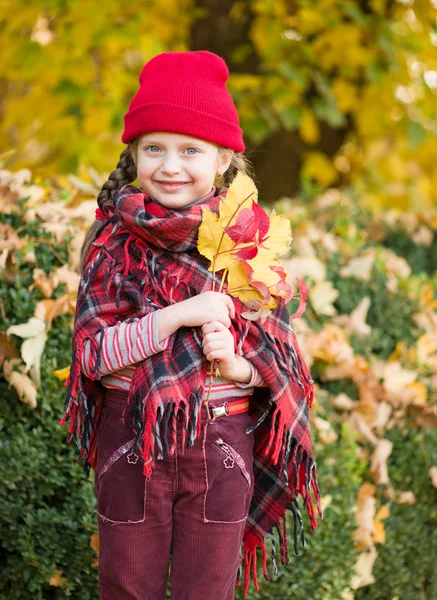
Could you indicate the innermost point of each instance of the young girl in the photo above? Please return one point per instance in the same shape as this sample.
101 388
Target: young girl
179 483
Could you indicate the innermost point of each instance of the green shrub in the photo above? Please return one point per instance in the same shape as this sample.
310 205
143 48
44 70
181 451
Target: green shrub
45 523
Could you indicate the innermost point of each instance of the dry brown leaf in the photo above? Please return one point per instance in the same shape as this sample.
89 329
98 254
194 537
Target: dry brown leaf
326 433
363 569
65 275
365 517
379 461
427 419
9 238
395 377
343 402
24 386
332 346
322 295
427 320
394 264
379 530
35 337
433 475
406 498
95 545
8 349
304 267
358 424
359 268
47 310
426 348
381 417
358 318
8 199
43 282
57 580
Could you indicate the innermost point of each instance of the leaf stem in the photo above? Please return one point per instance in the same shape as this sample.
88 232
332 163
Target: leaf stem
211 371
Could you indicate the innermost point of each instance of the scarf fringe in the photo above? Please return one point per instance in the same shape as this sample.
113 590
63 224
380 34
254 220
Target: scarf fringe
305 469
156 432
82 411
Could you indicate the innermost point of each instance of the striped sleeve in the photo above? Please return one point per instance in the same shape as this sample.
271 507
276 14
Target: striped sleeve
255 380
123 344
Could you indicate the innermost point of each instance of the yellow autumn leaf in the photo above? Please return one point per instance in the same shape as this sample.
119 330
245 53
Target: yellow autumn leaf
319 167
56 580
62 374
279 235
241 188
378 525
211 237
322 295
238 284
309 128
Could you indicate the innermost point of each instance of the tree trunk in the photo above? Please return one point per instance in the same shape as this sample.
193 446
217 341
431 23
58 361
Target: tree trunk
278 159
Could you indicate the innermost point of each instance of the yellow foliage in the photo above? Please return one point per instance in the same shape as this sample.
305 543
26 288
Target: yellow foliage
219 248
346 94
309 128
319 167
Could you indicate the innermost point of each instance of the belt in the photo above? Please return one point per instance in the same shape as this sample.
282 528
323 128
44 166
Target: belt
234 407
117 399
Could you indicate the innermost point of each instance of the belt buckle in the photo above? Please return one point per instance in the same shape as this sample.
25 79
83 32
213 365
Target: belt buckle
220 411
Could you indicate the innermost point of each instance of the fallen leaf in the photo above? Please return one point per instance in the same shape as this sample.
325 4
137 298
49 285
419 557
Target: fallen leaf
62 374
363 570
343 402
327 434
433 475
406 498
95 545
365 517
358 268
57 580
358 318
24 386
379 530
322 295
32 348
379 461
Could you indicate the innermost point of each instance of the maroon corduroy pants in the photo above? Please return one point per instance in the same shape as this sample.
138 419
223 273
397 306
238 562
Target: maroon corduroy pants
189 517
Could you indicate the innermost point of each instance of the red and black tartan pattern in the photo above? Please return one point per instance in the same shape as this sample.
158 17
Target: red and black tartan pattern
144 258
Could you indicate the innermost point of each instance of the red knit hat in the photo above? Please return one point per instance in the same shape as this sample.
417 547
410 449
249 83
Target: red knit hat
185 92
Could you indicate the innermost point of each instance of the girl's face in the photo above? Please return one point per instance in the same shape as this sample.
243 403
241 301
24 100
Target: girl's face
176 170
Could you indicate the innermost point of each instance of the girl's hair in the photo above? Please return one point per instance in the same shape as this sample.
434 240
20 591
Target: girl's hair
126 172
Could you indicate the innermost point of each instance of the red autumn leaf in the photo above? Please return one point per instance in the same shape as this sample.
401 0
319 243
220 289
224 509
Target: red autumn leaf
282 283
262 289
263 220
303 299
284 286
245 227
247 253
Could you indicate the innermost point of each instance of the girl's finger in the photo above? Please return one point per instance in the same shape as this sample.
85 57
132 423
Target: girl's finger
225 335
230 306
220 344
213 326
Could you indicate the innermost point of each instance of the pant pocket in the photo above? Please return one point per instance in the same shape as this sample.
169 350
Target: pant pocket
229 477
120 484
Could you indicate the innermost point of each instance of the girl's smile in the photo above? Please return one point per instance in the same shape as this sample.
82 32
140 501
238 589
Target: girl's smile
177 170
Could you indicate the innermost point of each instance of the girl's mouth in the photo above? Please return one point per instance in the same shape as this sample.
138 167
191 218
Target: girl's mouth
172 187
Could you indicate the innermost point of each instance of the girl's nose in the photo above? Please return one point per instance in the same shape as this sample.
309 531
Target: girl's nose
170 165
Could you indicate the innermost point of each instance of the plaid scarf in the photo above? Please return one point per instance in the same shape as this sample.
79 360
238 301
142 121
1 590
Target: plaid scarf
144 258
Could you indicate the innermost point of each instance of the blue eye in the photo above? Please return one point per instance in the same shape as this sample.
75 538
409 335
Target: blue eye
150 147
195 150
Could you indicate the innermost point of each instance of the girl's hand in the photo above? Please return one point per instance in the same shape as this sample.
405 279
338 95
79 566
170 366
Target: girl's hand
205 308
218 344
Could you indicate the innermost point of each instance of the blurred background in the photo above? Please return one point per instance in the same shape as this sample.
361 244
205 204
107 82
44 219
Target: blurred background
338 104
